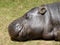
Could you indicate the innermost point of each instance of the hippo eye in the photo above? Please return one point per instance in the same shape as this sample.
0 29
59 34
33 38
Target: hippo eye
26 17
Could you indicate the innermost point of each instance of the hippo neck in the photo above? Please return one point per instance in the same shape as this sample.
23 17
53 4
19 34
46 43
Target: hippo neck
54 10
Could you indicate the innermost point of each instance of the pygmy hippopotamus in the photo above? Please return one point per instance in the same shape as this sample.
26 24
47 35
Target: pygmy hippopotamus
41 22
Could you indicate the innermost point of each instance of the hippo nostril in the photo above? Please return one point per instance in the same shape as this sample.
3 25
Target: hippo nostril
19 27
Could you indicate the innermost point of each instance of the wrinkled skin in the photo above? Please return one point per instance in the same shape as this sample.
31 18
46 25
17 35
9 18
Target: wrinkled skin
39 23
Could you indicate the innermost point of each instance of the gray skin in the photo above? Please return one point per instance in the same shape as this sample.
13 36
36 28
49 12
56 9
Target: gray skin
39 23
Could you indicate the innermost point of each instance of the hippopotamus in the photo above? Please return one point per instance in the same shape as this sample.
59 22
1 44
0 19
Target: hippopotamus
41 22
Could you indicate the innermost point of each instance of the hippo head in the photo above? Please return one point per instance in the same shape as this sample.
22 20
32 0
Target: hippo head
31 25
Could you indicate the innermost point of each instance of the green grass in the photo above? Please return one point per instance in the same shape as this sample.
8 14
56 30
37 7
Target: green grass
13 9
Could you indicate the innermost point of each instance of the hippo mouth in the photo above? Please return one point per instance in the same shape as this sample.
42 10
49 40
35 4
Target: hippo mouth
20 29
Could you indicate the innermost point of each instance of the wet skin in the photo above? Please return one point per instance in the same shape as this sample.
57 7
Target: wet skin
41 22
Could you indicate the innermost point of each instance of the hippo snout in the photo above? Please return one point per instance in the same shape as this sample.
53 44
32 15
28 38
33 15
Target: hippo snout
14 29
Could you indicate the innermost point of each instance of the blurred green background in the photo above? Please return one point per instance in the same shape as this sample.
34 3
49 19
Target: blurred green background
13 9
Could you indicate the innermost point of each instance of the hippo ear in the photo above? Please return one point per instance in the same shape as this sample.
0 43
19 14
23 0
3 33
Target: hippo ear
42 10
